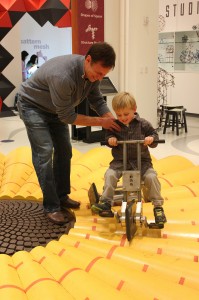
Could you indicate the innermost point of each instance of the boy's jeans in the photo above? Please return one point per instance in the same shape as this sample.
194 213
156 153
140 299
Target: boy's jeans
151 189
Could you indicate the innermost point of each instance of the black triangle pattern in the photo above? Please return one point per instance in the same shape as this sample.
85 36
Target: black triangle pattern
3 32
51 11
5 58
6 87
15 16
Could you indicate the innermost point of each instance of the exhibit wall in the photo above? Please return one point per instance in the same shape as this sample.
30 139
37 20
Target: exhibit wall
12 72
178 51
131 27
47 41
141 65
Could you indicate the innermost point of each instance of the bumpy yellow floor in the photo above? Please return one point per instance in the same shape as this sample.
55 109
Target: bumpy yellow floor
95 261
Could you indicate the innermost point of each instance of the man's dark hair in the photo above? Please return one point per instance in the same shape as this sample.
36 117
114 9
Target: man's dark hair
103 53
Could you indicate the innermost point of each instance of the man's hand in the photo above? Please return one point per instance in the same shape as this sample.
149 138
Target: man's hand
109 123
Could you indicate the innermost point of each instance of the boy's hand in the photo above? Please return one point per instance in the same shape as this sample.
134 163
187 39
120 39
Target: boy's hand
112 141
148 140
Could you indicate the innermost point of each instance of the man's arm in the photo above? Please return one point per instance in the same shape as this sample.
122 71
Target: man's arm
107 121
108 115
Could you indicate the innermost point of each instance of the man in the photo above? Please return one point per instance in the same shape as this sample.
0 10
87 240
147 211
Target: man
47 104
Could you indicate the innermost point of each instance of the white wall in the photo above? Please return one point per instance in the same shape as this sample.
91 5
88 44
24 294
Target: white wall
142 50
11 42
179 16
111 36
136 48
111 33
186 91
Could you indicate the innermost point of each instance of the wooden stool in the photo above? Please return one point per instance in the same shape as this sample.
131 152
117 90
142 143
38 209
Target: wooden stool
178 119
163 109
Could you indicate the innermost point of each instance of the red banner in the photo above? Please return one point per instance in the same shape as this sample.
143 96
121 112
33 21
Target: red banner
90 24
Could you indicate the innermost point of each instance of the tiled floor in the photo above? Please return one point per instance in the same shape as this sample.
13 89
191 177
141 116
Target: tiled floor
13 135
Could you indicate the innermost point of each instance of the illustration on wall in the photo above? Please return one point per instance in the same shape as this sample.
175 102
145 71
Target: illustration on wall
91 4
189 55
165 79
196 28
161 23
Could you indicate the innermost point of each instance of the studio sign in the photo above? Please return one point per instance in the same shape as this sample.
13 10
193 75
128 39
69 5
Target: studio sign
182 9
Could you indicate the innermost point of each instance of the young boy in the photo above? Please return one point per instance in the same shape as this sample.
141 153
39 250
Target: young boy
132 128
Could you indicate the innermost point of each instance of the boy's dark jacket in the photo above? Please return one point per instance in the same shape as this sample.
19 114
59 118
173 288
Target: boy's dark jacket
137 129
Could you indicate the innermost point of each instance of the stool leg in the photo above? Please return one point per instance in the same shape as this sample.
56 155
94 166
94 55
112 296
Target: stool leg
185 121
173 121
165 124
177 124
161 116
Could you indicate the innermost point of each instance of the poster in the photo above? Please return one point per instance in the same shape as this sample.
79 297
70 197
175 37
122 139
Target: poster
90 18
46 42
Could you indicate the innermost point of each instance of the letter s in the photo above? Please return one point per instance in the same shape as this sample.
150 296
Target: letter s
167 11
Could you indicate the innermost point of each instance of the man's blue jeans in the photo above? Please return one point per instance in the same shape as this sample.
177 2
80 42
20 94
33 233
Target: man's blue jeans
51 153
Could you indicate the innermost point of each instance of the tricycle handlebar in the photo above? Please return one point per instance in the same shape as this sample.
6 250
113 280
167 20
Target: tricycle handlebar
104 143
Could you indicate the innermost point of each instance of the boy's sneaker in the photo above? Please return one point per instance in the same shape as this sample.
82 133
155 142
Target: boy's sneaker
159 215
102 206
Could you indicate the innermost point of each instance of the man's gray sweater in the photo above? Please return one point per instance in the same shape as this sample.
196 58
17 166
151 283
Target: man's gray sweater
58 86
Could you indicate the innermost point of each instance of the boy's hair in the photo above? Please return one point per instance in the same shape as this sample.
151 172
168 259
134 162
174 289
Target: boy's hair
123 100
103 53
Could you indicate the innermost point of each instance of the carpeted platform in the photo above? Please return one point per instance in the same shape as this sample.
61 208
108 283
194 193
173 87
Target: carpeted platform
24 226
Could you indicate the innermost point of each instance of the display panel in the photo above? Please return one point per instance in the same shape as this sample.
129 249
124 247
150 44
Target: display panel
106 87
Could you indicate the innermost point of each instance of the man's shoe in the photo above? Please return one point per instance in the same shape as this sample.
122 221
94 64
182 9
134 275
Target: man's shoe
102 206
159 215
57 217
69 214
69 203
